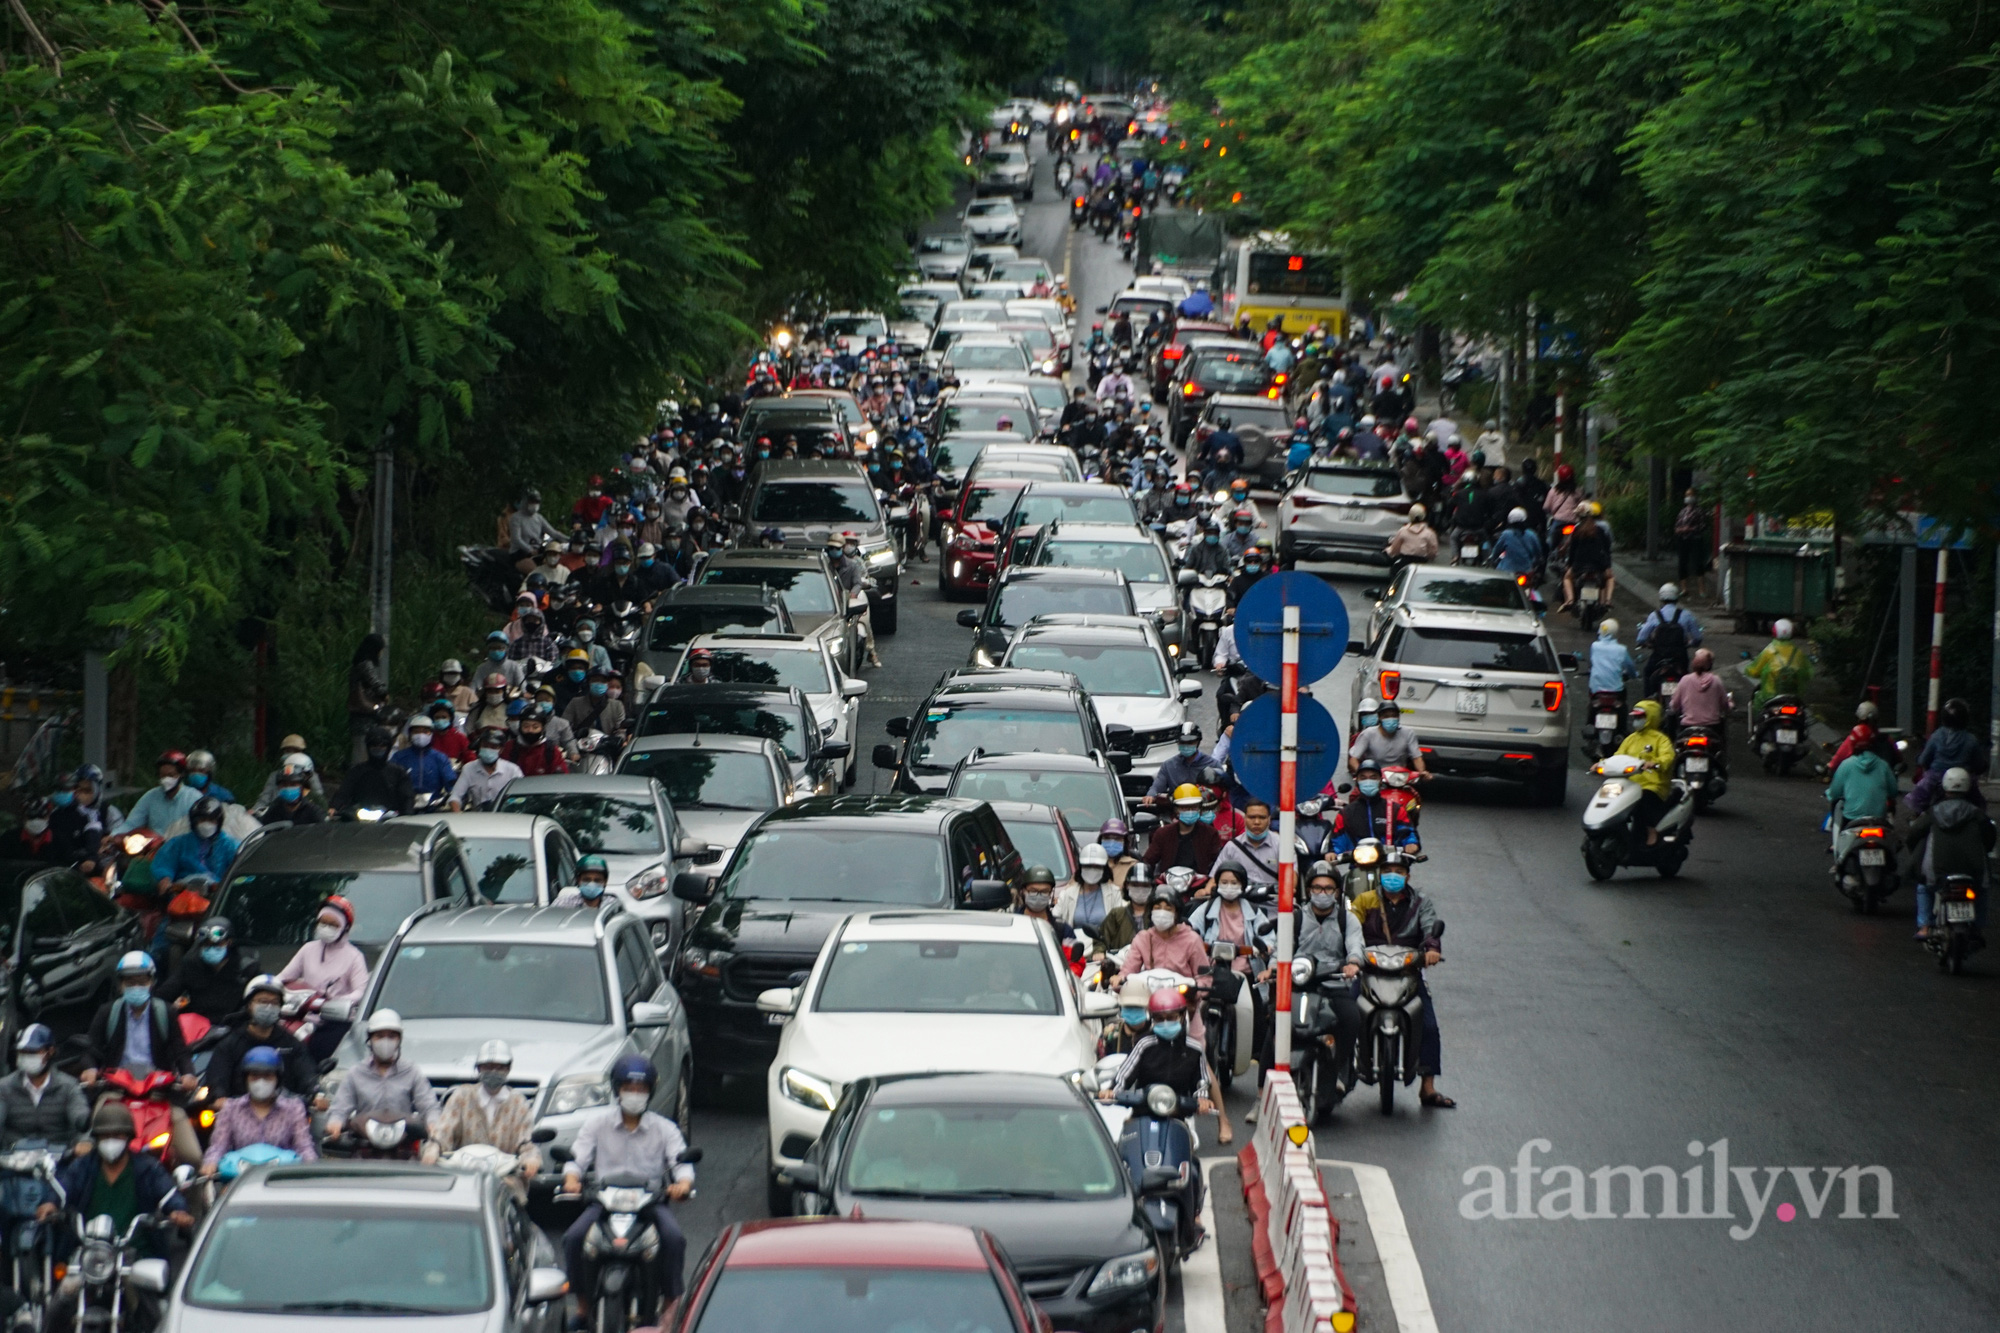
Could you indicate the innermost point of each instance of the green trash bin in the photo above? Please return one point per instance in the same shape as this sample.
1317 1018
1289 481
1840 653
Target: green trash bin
1774 577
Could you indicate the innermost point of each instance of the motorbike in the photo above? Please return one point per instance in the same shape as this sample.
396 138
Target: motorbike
1780 734
1468 546
376 1138
1391 1019
1065 172
1158 1145
1321 1082
105 1259
27 1179
1229 1024
1079 212
620 1249
1236 689
1590 604
149 1099
1399 789
1607 724
1613 837
491 572
1954 923
623 623
1863 867
1704 762
1207 597
599 753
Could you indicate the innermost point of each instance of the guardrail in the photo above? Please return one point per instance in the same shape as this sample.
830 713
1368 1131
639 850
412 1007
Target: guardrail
1293 1236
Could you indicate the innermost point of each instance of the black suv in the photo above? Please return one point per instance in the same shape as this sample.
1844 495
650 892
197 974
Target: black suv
782 715
997 710
683 614
798 872
1022 592
60 939
813 501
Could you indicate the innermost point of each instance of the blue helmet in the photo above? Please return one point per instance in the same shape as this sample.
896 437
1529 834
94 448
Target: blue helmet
634 1069
35 1037
260 1057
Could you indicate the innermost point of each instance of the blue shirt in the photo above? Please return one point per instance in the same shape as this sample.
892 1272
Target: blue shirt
1517 551
190 854
1177 770
158 811
1685 619
1611 666
429 771
138 1036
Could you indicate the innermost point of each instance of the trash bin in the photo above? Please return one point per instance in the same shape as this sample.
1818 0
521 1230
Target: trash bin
1774 577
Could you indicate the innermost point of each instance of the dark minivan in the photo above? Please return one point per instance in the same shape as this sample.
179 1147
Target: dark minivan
60 939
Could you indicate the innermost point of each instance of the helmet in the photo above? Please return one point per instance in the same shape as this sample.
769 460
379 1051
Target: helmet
1166 1002
423 721
1417 513
1369 704
177 758
215 930
342 906
1957 781
1187 796
1190 731
1093 854
260 1057
201 761
1670 592
1222 421
380 738
1409 423
264 983
1139 876
1038 875
136 963
1133 992
1866 711
495 1052
35 1037
1111 828
112 1120
593 862
1321 870
206 808
385 1020
1520 515
1783 629
1608 626
634 1069
1862 736
1564 472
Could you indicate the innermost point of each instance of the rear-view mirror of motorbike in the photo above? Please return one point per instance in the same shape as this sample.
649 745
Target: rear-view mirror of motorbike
969 617
690 1156
1568 661
691 886
1185 578
1357 646
543 1134
988 895
899 727
1145 822
1156 1180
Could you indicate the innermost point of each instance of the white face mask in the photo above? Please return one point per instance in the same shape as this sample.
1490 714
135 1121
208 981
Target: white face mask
386 1049
420 739
1164 918
1230 892
169 782
111 1149
262 1089
1091 874
632 1103
327 932
32 1064
36 827
206 830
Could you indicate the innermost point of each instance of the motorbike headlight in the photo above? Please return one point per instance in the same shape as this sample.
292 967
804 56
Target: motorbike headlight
579 1092
1614 788
648 883
1302 971
1162 1100
1126 1271
1367 856
807 1089
97 1263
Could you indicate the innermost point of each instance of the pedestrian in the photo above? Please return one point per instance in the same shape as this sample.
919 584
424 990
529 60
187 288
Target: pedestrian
367 691
1691 542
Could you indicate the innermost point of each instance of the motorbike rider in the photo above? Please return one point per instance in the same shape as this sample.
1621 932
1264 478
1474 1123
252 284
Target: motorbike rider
203 852
165 805
1517 550
1330 935
1415 540
533 752
629 1140
1182 767
1122 924
1085 902
1388 743
584 639
1399 915
115 1182
209 980
1863 786
1237 542
375 782
79 821
33 841
1671 633
201 776
1230 917
1186 840
37 1100
596 710
850 571
330 966
1368 814
431 774
482 779
256 1023
1957 838
136 1031
1038 900
1171 1053
593 876
446 738
1255 851
385 1086
1648 743
1118 1038
488 1111
264 1114
1589 551
1952 745
1116 387
1700 698
1611 663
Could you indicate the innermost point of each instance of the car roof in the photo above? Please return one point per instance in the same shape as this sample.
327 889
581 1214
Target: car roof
1101 532
1071 627
773 555
804 469
515 923
978 1089
1036 760
384 1185
753 642
707 740
735 690
491 824
993 694
856 1243
391 844
1423 615
1025 812
581 784
1058 574
717 594
874 810
1046 678
1088 489
930 925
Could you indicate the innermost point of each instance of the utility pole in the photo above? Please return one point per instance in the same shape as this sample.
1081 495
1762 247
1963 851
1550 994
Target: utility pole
1906 643
1937 640
96 709
383 556
1506 374
1590 434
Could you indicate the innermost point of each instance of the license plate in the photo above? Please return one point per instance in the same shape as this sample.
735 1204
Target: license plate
1471 703
1589 595
1468 553
1873 856
774 1020
1697 765
1788 737
1957 912
1607 721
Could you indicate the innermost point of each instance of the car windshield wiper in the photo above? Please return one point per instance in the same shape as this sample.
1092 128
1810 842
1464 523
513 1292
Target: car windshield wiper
357 1307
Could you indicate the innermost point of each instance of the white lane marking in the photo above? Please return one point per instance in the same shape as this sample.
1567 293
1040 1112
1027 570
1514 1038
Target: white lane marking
1403 1275
1201 1272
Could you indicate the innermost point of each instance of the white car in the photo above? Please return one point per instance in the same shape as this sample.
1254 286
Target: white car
992 222
1125 666
776 661
901 992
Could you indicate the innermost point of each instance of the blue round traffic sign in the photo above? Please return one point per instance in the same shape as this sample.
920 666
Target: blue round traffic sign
1253 747
1260 625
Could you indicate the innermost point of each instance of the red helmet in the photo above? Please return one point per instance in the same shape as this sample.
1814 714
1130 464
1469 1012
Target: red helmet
1410 423
178 758
1564 472
1166 1003
340 905
597 481
1862 736
434 690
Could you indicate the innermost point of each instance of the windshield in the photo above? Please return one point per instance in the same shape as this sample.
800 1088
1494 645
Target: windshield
1040 845
281 908
375 1261
1369 483
1037 508
839 865
495 979
849 1299
807 591
966 1148
1085 799
1487 594
1036 336
856 326
1048 393
1472 650
503 869
937 977
950 729
979 502
991 208
959 455
774 668
815 502
954 243
708 779
987 356
1227 372
676 625
1007 418
684 717
607 825
1022 601
1022 270
1140 562
1103 668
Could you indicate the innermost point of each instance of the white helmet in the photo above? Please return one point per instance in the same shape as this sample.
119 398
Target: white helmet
1368 705
1957 781
385 1020
1670 592
1093 854
1866 711
1608 627
495 1052
135 962
1783 629
1416 513
1520 515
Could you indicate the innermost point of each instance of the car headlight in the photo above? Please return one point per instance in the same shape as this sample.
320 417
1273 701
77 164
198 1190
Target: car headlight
807 1089
648 883
883 558
1127 1270
578 1092
699 962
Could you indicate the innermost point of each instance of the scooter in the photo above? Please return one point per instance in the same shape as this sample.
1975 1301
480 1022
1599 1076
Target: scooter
1590 605
621 1248
1467 546
1954 923
1704 762
1322 1084
378 1139
104 1259
1391 1019
1863 868
1158 1145
1207 599
148 1099
1079 212
1612 836
27 1179
1607 724
1780 734
1228 1024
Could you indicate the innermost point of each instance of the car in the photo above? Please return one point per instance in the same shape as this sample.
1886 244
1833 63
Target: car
1340 511
997 289
783 715
947 332
958 451
1175 288
386 870
842 401
1026 272
1050 312
850 330
1129 549
990 351
718 784
513 858
942 256
805 580
681 615
1207 369
1446 585
362 1245
996 712
987 408
1040 502
1485 692
627 821
1042 835
984 256
806 422
854 1273
1140 306
1050 398
1132 679
973 310
1040 343
923 301
1057 456
970 532
800 870
61 940
782 661
1187 334
571 989
1262 423
1022 592
1083 788
1022 1155
813 501
895 992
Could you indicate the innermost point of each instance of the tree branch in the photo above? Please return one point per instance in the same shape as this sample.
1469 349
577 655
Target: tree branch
48 48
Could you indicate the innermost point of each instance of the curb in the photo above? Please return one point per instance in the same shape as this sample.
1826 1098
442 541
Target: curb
1294 1239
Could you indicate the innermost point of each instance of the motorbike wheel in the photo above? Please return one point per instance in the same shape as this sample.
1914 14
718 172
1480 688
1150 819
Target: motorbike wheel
1669 864
1601 865
1305 1078
1225 1052
612 1314
1388 1070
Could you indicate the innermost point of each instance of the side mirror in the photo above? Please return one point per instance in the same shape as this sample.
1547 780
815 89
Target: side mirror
778 1000
543 1134
883 757
804 1176
1190 689
1157 1180
1120 762
835 750
1568 661
857 609
988 895
969 618
691 886
1357 646
1373 594
1104 310
1119 735
646 1014
899 727
853 689
691 848
544 1285
1145 821
151 1275
1185 578
1098 1004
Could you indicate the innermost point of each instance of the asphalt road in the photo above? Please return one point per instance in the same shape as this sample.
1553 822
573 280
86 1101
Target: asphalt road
1621 1022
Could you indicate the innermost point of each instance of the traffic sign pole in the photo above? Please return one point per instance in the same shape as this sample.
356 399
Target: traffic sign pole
1288 834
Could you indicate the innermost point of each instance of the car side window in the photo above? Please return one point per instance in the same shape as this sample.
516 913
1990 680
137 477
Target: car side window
970 859
452 882
631 957
561 859
1005 857
80 905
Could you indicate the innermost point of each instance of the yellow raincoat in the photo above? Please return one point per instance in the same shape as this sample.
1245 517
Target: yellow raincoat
1654 746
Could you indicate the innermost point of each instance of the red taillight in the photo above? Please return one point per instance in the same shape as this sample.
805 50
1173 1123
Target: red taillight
1552 695
1280 377
1868 833
1171 353
1700 741
1392 684
1568 528
1272 392
1190 389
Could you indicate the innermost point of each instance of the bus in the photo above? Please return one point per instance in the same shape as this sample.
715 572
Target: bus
1265 276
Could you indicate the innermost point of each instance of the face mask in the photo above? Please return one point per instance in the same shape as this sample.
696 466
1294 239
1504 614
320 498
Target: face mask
63 798
498 655
420 739
574 675
36 827
32 1064
1389 724
1091 874
199 781
168 783
1367 720
1164 918
488 755
621 570
213 954
1258 836
386 1049
1187 817
1167 1029
632 1103
111 1149
531 509
1037 902
614 689
1208 816
264 1015
1132 1018
1394 883
647 563
1212 538
1230 892
1369 786
138 995
261 1089
1187 751
326 932
493 1079
377 754
1113 847
591 889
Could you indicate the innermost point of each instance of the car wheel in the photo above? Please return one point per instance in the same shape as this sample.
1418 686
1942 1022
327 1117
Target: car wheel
1550 787
883 618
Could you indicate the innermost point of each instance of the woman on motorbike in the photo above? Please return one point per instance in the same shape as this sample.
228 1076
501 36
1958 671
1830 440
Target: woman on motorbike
331 967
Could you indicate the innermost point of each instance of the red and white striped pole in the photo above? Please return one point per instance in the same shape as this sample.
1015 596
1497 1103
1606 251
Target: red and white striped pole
1937 642
1288 833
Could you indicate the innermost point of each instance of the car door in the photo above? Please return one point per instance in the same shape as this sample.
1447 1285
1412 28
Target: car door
640 981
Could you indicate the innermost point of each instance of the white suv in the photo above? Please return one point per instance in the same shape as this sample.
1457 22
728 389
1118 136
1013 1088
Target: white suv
1485 692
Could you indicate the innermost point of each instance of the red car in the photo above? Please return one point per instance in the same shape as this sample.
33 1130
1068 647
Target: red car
972 528
855 1276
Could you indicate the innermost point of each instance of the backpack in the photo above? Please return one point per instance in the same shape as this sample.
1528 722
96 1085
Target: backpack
1670 640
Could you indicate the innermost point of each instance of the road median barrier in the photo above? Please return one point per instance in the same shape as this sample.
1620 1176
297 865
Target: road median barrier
1294 1239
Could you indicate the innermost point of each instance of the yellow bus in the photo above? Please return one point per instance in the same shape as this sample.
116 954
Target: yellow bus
1266 277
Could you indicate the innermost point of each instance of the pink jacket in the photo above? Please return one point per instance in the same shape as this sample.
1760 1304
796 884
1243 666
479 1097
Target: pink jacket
337 970
1181 950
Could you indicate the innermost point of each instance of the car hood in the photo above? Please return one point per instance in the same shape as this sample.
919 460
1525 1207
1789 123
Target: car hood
723 828
1037 1233
767 927
845 1047
444 1047
186 1319
1153 596
1138 711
